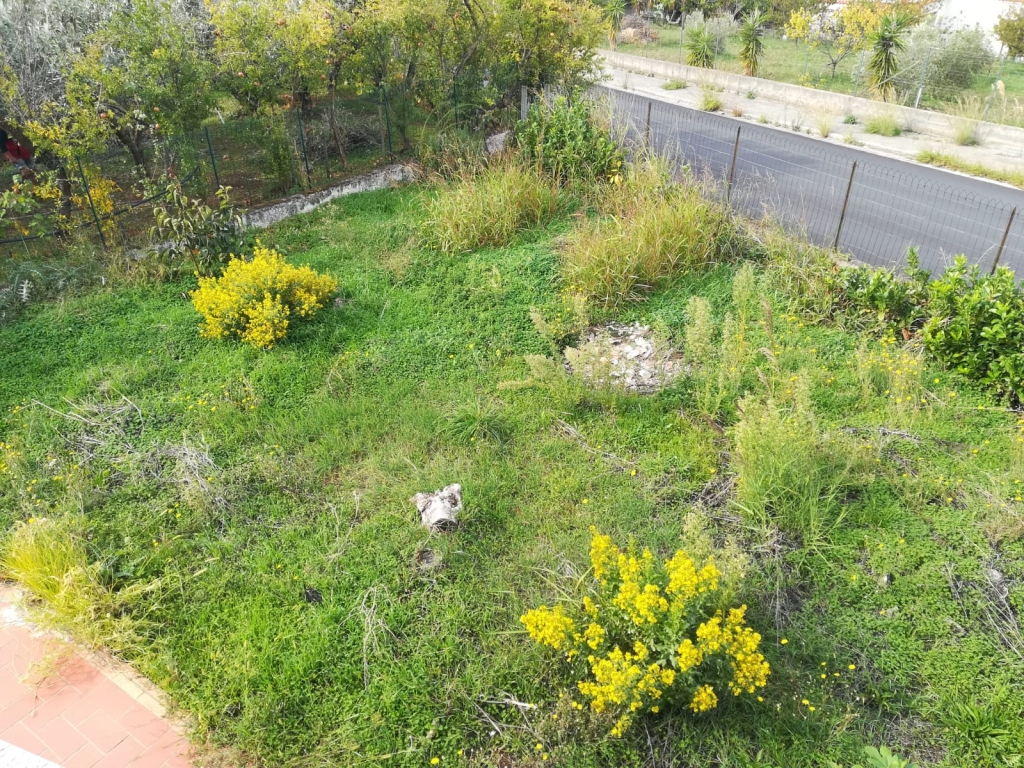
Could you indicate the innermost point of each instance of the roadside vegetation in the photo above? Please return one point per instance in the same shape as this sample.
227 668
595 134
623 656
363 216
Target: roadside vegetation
836 50
954 163
804 550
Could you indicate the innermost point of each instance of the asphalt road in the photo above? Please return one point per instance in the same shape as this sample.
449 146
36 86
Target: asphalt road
802 182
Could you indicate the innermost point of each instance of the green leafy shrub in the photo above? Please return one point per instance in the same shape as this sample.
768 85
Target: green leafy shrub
189 230
472 210
970 322
949 59
883 297
976 325
567 142
648 233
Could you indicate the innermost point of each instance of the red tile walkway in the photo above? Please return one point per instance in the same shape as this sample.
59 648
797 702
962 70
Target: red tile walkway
78 716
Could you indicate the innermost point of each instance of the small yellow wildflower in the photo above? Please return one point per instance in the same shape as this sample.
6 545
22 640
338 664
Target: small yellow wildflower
704 699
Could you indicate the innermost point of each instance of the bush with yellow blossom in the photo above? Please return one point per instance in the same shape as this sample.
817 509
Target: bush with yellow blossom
652 634
255 300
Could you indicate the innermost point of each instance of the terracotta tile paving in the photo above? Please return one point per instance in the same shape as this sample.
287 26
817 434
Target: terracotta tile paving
84 714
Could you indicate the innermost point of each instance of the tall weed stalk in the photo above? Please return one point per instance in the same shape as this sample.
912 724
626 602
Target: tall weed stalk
788 472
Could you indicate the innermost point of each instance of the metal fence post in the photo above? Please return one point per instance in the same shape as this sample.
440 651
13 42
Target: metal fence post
387 119
647 131
992 93
524 102
455 103
213 160
1002 243
88 195
302 143
846 202
924 74
732 168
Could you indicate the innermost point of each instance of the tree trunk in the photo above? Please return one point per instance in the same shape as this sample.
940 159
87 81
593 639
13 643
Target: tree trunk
130 139
332 117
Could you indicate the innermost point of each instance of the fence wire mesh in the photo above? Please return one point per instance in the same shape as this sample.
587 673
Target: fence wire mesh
870 207
113 191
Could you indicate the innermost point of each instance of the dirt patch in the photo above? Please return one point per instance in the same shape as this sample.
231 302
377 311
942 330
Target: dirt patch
630 357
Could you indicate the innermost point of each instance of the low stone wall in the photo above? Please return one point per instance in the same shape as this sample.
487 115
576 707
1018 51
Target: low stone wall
917 120
261 218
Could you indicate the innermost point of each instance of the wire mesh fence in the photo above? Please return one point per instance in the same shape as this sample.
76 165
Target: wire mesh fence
109 195
870 207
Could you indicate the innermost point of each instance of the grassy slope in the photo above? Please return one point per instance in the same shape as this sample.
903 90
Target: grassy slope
363 407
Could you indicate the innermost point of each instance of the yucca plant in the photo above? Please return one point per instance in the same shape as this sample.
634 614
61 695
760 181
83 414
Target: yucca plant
887 43
614 11
751 38
700 47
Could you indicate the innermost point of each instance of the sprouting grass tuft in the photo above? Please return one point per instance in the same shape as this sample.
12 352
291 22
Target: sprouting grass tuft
965 132
883 124
675 84
47 556
823 121
709 101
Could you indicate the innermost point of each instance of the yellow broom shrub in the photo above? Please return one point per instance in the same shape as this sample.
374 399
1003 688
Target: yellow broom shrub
653 634
254 300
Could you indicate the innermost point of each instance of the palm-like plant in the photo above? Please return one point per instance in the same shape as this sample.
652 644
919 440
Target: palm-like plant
886 44
700 47
752 41
614 11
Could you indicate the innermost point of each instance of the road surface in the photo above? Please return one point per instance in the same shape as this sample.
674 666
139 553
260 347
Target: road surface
802 182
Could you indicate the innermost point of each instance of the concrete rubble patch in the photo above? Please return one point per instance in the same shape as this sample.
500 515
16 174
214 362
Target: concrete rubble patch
625 356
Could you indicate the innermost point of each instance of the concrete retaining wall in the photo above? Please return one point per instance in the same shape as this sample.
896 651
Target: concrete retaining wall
917 120
261 218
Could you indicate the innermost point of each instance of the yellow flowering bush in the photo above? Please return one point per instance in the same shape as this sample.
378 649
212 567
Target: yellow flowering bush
655 633
254 300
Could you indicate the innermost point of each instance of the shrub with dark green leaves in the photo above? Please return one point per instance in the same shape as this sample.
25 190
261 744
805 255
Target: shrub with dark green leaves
566 141
970 322
882 297
976 325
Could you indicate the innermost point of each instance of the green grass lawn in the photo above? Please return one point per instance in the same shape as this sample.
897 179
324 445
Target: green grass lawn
898 627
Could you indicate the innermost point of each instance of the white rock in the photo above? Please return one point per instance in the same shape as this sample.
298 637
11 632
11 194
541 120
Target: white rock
440 510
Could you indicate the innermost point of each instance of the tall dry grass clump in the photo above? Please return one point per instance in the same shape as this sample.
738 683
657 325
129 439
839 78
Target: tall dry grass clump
487 206
47 556
648 231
